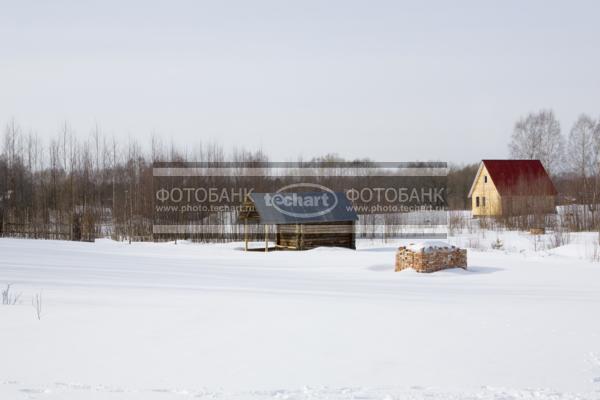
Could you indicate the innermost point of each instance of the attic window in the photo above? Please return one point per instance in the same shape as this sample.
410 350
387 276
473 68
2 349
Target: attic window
477 201
485 179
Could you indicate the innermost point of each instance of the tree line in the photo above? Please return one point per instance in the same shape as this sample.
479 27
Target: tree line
573 161
79 189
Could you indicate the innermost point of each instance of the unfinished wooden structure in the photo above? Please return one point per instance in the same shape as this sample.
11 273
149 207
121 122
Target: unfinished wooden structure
430 257
512 187
296 227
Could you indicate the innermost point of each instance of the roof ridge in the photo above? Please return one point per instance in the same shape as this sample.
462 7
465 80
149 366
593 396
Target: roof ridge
513 176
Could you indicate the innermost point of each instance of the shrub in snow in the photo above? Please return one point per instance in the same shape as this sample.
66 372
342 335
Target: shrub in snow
559 237
474 243
497 245
9 299
36 302
537 242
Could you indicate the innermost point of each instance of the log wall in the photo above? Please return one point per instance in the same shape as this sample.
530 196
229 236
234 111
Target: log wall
309 236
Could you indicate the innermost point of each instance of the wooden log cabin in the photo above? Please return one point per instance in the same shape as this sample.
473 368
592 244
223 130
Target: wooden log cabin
300 227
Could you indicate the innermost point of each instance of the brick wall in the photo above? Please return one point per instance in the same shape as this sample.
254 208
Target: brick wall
432 260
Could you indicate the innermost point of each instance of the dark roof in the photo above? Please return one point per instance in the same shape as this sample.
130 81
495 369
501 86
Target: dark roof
335 207
518 177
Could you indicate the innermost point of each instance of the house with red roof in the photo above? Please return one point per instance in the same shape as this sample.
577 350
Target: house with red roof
512 187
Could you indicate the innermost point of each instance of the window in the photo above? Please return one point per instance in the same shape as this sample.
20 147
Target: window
483 201
477 201
484 181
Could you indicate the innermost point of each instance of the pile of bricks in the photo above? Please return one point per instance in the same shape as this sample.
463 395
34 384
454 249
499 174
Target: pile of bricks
430 259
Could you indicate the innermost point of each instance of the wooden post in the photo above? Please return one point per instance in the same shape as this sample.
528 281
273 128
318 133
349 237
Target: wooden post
266 238
246 234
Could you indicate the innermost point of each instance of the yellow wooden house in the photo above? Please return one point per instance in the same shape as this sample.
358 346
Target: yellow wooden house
512 187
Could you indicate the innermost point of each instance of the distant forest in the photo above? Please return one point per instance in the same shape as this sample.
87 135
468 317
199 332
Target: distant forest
79 189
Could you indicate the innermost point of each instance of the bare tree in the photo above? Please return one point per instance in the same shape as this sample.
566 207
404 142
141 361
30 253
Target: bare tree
583 159
537 136
582 147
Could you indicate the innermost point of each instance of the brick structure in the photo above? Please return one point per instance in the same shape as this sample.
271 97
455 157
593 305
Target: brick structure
430 257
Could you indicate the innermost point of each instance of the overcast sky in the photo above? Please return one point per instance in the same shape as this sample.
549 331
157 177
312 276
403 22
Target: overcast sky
388 80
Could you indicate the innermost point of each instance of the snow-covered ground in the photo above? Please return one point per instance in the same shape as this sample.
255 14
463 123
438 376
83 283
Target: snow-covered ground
166 321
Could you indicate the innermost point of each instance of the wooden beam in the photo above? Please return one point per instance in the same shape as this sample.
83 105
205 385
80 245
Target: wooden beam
266 238
246 234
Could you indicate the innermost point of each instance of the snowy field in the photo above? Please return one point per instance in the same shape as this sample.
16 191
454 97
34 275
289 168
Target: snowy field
166 321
